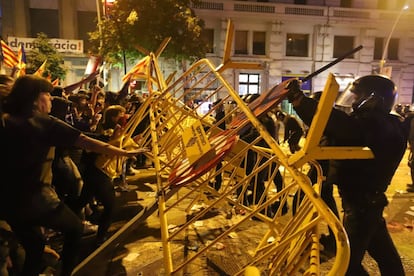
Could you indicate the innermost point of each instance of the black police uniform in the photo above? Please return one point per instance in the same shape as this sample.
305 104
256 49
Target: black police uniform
362 183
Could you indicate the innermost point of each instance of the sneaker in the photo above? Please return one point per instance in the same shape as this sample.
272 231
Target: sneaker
89 228
131 172
124 187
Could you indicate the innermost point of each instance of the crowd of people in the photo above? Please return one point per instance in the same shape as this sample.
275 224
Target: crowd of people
51 175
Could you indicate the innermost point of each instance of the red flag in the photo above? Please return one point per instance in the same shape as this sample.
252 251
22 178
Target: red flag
9 58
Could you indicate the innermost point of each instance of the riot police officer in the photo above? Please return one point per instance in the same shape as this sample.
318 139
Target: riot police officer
362 183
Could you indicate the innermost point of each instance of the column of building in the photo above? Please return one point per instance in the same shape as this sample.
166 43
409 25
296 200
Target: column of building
275 53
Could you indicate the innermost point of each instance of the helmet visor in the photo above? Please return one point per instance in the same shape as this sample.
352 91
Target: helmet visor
347 97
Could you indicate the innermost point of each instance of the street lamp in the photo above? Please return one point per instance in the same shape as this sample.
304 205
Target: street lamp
385 51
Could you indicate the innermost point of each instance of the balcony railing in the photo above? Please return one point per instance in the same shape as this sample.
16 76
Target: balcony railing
301 10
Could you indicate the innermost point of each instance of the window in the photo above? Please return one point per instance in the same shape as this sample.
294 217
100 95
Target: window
297 45
378 47
346 3
240 45
343 44
393 49
393 46
86 23
250 43
207 36
249 83
44 21
259 43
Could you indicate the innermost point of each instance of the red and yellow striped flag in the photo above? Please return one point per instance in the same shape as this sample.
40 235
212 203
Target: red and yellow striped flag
141 69
9 57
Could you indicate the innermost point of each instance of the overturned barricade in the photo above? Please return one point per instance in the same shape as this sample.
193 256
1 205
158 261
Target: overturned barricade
275 211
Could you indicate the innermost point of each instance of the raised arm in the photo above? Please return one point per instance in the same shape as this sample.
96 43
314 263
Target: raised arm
91 144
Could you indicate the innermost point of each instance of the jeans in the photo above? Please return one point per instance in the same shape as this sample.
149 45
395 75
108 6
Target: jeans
97 184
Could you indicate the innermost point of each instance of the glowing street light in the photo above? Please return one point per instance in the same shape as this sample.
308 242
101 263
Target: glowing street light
385 51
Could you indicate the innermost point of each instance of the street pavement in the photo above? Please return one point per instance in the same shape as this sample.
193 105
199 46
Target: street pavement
399 214
146 239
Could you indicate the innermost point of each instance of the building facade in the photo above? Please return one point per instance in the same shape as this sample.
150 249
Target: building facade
288 37
296 40
63 21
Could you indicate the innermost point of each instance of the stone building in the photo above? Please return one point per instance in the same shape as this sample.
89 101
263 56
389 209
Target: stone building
288 37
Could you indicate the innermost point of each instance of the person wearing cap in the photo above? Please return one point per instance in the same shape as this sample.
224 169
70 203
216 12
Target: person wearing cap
362 183
28 137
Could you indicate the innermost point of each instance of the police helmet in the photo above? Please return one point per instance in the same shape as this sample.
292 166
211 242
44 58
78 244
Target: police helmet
374 92
316 95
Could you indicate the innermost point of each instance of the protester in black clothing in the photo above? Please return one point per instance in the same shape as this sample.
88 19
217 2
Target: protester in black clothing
97 183
293 131
66 177
362 183
219 118
28 137
220 114
250 136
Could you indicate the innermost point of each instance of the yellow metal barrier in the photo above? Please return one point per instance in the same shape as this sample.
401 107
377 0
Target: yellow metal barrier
268 238
286 244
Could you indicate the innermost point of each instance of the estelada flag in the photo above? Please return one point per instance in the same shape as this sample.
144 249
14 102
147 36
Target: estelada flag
21 65
39 72
9 58
56 82
141 69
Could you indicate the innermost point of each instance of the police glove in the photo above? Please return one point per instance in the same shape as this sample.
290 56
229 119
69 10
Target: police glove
294 91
